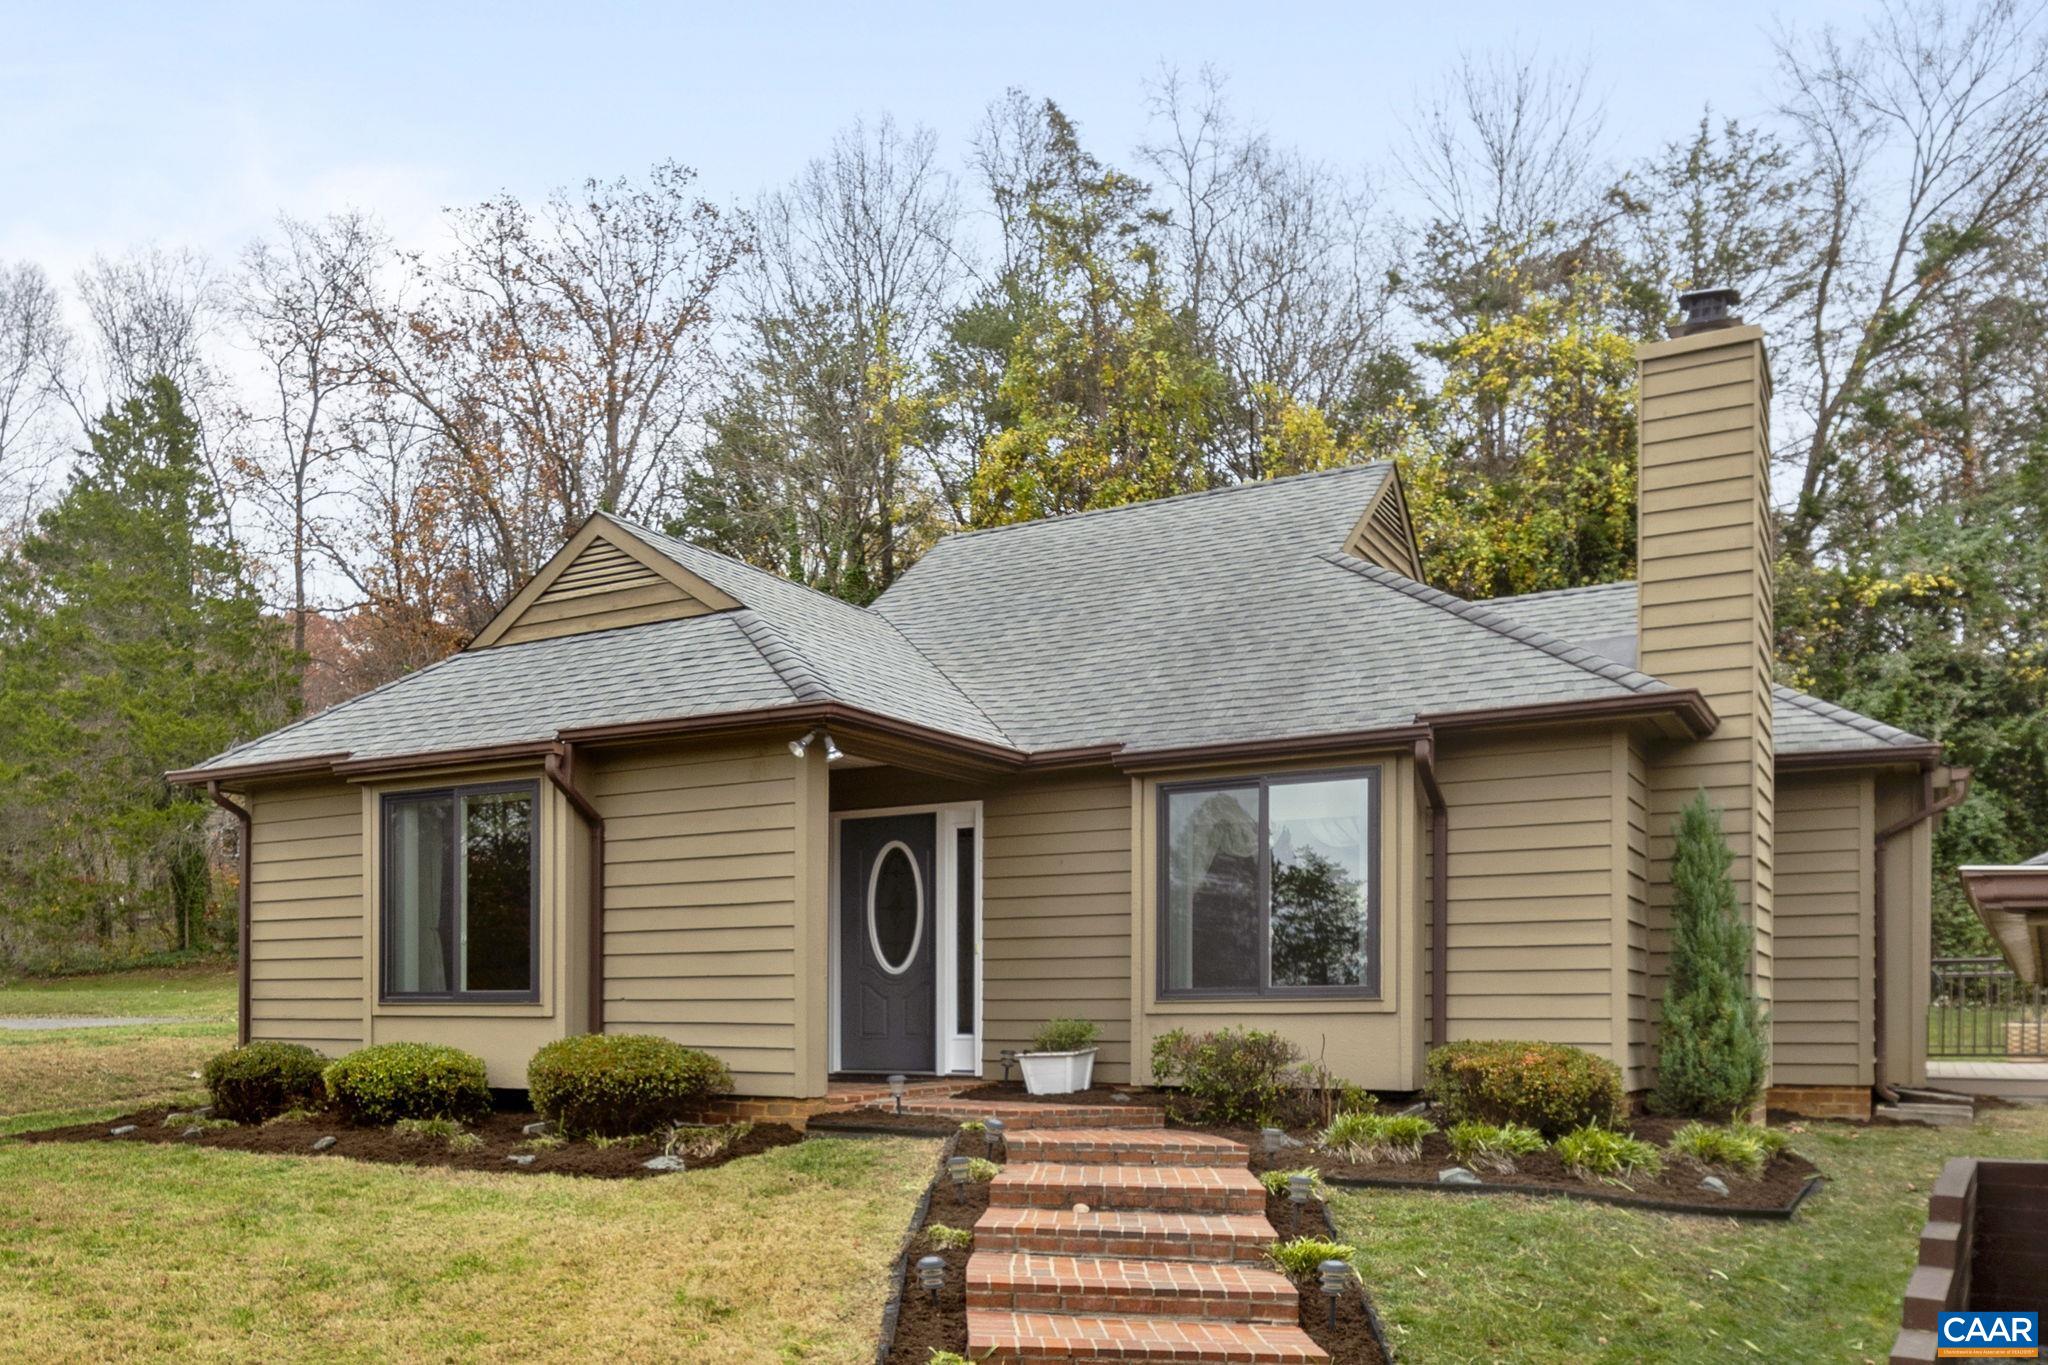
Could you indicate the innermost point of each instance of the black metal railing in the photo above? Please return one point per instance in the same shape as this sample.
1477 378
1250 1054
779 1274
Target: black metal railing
1980 1008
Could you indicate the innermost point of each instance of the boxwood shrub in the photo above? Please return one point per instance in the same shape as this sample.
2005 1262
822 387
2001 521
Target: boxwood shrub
392 1081
249 1084
620 1084
1548 1086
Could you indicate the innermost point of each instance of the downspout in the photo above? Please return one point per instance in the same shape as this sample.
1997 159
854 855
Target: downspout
1439 893
242 918
561 770
1929 808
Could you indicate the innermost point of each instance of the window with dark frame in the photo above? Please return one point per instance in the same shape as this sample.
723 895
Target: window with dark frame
1269 886
461 893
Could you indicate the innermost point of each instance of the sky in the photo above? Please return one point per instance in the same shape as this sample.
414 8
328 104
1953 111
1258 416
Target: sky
196 125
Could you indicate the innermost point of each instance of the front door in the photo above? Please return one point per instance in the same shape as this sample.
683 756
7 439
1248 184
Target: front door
888 931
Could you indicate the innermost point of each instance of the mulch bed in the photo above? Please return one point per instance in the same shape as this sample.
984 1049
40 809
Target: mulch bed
1357 1338
1015 1093
921 1325
1776 1189
500 1132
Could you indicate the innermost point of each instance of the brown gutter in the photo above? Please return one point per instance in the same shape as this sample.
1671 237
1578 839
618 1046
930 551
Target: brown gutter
1684 704
1299 746
1929 808
242 915
311 764
1889 756
1439 894
561 771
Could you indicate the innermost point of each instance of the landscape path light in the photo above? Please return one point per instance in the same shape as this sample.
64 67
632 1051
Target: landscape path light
931 1273
1297 1195
956 1166
1336 1279
1274 1139
896 1085
994 1128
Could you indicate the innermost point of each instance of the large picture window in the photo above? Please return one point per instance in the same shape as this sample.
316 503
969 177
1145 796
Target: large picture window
461 894
1269 886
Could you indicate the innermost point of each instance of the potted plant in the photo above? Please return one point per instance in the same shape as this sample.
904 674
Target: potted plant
1062 1057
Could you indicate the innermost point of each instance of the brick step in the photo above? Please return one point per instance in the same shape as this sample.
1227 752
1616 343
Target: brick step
1130 1288
1155 1189
1015 1338
1018 1116
1126 1147
1123 1232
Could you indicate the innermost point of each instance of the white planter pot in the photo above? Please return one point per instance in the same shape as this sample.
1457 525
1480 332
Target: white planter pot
1058 1073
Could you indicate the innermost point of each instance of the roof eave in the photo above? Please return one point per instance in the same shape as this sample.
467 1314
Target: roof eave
1915 756
1678 713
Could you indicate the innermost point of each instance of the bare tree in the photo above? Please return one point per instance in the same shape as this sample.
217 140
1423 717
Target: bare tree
35 351
561 356
1928 141
1279 263
299 300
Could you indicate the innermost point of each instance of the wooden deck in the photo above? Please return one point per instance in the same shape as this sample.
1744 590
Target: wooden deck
2007 1080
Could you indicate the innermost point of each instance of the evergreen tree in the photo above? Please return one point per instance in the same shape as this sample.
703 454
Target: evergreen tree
131 642
1713 1047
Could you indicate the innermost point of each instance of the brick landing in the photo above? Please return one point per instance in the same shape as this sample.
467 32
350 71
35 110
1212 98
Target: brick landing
1128 1242
1821 1101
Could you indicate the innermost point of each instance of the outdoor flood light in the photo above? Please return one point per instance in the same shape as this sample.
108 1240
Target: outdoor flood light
1336 1277
956 1166
931 1273
896 1084
1297 1195
832 751
1274 1139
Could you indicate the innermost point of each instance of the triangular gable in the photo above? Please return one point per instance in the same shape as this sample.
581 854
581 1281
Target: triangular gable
1384 535
604 578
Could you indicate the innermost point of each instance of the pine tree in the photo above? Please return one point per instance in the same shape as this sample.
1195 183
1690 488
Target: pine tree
1713 1049
132 642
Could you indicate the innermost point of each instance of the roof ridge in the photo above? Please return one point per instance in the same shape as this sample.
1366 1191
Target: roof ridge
1189 496
1842 715
797 672
1597 664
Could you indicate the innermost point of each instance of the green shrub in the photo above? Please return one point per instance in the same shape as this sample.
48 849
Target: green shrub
392 1081
250 1083
1546 1086
1493 1148
1065 1035
617 1084
425 1128
1236 1076
948 1238
1596 1153
1299 1257
703 1141
1276 1182
980 1168
1731 1148
1772 1142
466 1142
1713 1047
1366 1137
939 1357
974 1126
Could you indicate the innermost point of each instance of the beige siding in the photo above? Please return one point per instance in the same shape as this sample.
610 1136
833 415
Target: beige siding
1825 943
1384 536
1909 941
603 587
1538 886
307 941
1641 1010
714 931
1704 552
1056 898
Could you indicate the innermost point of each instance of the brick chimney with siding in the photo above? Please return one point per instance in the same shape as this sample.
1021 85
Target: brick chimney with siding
1705 550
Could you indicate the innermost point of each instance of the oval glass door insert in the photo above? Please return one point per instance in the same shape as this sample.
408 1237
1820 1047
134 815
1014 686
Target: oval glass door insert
895 908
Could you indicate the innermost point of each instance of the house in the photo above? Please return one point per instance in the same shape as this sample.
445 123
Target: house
1212 760
2012 901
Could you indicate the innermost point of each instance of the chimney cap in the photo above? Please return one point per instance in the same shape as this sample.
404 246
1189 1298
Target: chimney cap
1704 309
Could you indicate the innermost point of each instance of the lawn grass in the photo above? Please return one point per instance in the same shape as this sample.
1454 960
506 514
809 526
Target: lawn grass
111 1251
201 990
1523 1279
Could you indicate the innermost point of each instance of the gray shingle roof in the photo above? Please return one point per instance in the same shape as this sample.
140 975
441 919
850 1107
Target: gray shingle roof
1216 616
1603 618
1213 617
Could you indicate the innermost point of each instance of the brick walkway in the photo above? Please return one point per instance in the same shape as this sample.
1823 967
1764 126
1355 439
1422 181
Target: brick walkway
1111 1238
